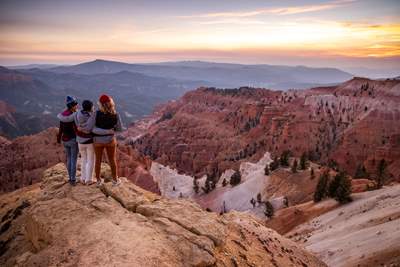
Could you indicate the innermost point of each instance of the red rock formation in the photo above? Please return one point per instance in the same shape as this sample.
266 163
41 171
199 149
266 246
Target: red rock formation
210 130
23 159
362 185
136 168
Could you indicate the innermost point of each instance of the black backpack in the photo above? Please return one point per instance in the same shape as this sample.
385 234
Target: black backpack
106 120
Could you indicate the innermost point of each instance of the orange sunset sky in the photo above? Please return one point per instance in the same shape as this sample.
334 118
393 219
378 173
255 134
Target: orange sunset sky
341 33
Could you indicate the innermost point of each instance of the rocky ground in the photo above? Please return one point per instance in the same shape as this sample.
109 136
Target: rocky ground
54 224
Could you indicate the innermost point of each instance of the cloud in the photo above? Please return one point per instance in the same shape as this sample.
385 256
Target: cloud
233 21
278 11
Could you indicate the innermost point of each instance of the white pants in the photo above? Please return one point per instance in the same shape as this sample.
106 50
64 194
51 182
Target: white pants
87 161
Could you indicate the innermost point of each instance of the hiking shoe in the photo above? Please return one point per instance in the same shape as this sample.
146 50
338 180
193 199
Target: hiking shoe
99 183
72 182
117 182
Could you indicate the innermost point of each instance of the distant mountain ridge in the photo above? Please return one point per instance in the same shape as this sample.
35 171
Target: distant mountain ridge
33 66
220 74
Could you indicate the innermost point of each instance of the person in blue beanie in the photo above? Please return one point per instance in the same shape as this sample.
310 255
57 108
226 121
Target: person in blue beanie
67 135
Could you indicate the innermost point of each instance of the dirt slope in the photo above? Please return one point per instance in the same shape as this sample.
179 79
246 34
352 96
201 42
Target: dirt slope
365 232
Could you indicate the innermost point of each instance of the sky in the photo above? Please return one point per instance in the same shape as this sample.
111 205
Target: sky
336 33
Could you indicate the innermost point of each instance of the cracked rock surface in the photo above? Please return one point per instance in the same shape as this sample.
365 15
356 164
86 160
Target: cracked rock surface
54 224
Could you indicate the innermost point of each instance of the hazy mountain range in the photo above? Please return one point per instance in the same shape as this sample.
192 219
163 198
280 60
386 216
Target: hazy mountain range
220 74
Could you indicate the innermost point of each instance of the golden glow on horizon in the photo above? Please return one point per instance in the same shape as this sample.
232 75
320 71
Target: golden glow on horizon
323 38
348 31
327 38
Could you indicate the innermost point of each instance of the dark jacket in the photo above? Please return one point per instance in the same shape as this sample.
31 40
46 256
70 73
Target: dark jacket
66 131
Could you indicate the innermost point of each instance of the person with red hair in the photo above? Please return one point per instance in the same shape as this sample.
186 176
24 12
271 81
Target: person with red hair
106 118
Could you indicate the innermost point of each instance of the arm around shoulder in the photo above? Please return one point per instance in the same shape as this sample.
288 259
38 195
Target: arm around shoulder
69 118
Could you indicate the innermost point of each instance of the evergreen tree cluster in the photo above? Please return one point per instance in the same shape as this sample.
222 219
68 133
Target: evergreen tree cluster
303 161
338 188
274 164
284 159
294 166
235 178
361 172
196 186
269 209
266 170
381 173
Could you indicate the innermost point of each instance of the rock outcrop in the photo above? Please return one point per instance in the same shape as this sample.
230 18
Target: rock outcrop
54 224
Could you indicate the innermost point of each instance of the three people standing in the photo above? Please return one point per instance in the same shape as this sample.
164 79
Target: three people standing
95 132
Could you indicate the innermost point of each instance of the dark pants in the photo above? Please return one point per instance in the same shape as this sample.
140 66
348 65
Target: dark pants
71 151
111 150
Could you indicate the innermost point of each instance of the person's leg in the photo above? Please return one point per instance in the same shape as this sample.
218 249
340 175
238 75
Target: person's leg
67 149
83 152
90 162
98 150
74 159
111 150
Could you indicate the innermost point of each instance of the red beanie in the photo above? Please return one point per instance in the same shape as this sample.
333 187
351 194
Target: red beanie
104 99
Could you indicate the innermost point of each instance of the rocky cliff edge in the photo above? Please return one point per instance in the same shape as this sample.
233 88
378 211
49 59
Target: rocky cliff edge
54 224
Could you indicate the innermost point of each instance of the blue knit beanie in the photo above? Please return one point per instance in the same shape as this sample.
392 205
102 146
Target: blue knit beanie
71 101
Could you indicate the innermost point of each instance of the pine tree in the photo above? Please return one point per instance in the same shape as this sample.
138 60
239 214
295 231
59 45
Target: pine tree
235 178
224 182
321 188
303 161
343 190
361 172
253 202
334 184
266 170
381 173
259 198
209 184
284 160
286 201
274 164
294 166
196 185
269 209
312 174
